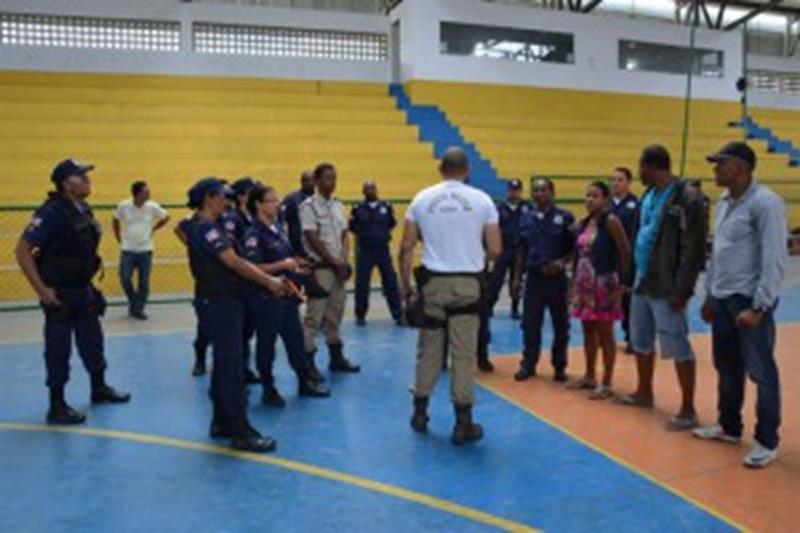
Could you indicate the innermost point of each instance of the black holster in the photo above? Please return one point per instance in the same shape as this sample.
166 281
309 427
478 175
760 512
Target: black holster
415 308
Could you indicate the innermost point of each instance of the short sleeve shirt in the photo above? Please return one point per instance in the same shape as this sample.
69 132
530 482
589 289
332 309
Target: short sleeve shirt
328 218
137 224
451 217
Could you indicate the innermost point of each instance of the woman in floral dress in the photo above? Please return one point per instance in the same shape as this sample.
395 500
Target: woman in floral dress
602 252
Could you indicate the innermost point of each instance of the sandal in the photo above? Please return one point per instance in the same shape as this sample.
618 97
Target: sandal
602 392
634 401
583 384
681 423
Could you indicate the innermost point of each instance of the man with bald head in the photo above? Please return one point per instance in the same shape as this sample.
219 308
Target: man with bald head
290 211
458 226
372 222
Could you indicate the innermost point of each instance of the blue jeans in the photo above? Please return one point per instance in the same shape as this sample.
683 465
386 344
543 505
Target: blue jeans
742 351
142 263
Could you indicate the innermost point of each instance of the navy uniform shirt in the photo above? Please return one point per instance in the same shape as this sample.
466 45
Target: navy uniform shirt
510 217
547 235
267 244
49 225
627 211
373 223
236 223
290 214
207 241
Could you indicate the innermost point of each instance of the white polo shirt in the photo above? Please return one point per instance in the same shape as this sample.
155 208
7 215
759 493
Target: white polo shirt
137 224
451 217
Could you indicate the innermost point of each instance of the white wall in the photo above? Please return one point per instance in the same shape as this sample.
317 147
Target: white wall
782 101
187 62
596 52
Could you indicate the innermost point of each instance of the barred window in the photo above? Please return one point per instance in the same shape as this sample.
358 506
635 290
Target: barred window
774 81
289 42
671 59
515 44
89 32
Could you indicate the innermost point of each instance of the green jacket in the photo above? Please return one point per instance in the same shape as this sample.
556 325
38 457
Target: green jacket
679 252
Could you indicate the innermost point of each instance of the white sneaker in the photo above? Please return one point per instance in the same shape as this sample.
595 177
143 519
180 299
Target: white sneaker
759 456
715 432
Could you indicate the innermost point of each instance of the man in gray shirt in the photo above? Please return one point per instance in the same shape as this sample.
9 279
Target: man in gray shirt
744 277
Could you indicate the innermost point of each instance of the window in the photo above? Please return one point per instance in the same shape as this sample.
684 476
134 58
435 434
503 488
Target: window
774 81
89 32
289 42
653 57
530 46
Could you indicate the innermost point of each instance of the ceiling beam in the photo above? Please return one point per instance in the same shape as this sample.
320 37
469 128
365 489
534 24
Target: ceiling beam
754 12
706 15
721 13
778 8
591 5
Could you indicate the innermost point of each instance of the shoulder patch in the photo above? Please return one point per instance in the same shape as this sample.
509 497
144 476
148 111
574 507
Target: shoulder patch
558 220
251 242
212 235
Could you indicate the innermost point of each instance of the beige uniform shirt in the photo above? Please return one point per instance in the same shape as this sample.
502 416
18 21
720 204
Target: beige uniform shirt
326 217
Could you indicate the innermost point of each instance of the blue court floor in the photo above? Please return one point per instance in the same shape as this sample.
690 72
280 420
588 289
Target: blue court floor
348 463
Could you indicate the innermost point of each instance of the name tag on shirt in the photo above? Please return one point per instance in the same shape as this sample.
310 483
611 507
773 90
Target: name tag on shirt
631 204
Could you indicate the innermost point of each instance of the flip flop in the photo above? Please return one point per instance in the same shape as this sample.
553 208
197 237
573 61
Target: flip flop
601 393
582 384
634 401
681 423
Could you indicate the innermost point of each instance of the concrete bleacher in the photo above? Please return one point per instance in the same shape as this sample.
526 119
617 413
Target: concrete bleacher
527 131
172 130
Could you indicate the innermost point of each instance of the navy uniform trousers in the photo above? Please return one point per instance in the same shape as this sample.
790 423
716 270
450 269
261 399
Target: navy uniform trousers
367 260
545 293
222 321
78 316
277 317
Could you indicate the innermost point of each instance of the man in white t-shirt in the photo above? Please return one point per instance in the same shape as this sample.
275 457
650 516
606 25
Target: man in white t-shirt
458 225
135 222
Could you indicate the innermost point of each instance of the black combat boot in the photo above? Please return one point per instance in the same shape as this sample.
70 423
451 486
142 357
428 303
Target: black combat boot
340 363
465 430
419 420
313 372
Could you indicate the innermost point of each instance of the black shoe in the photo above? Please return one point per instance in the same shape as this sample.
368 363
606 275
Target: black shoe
361 321
252 441
629 350
272 398
484 365
106 394
465 429
311 389
199 368
138 315
419 420
524 373
515 315
220 429
250 377
560 376
340 363
65 415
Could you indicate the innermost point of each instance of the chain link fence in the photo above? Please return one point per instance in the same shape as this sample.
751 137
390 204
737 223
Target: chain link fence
170 280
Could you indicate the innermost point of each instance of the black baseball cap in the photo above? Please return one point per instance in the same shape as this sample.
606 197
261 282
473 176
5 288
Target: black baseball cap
514 185
203 188
734 150
67 168
243 185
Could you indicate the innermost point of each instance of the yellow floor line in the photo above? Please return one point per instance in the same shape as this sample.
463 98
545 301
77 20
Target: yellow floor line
295 466
731 522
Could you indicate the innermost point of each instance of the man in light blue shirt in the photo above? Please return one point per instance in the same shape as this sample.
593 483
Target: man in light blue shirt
744 277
